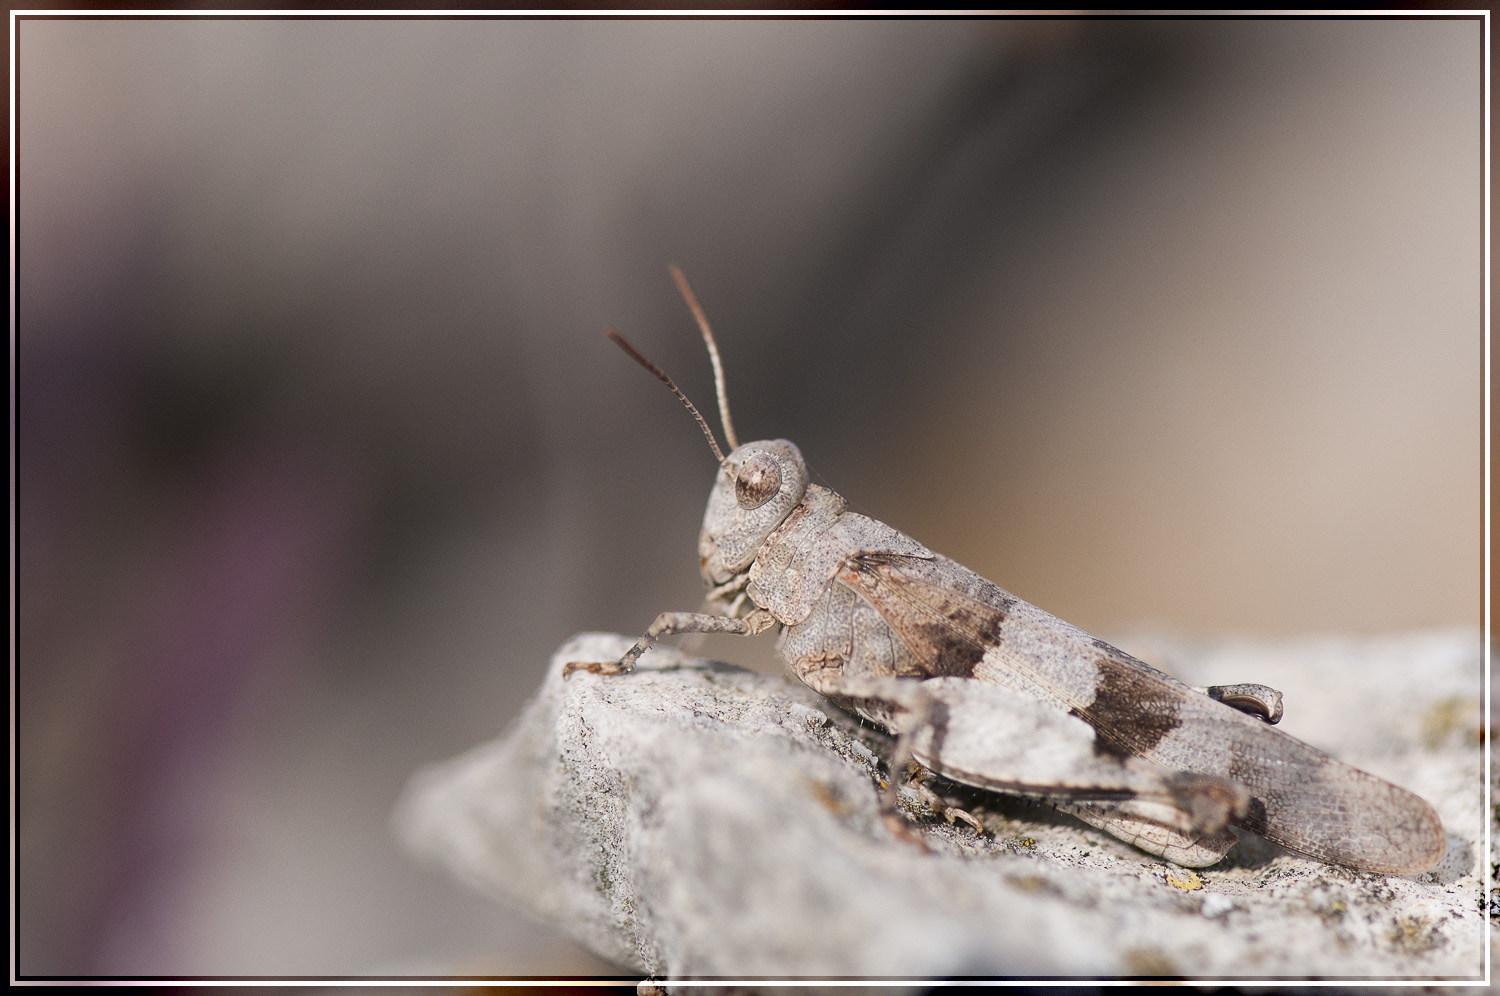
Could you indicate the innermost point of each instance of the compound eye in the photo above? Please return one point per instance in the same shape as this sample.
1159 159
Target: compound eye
758 481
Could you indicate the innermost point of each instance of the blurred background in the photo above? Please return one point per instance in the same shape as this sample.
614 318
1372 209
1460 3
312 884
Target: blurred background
321 452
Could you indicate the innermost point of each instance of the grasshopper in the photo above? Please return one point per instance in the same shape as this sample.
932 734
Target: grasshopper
990 691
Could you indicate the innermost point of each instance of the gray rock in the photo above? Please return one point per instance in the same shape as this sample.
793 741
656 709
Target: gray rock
696 819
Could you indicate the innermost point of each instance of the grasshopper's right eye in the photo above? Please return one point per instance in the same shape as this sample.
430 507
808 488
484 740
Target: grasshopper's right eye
758 480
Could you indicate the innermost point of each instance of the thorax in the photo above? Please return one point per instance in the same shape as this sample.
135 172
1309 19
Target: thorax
798 561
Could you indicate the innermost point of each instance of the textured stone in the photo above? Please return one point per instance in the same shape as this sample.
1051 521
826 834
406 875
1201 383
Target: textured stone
695 819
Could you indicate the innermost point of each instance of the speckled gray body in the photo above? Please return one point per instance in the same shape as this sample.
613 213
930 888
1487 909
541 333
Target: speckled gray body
988 690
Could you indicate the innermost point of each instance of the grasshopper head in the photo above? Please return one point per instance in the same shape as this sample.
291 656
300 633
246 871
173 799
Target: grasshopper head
758 486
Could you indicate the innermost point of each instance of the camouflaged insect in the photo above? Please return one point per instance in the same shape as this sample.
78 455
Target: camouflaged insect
990 691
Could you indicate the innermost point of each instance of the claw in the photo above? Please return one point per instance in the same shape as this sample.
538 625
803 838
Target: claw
953 812
597 667
917 779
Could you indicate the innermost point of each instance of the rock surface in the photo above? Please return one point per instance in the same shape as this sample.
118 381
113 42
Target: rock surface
694 819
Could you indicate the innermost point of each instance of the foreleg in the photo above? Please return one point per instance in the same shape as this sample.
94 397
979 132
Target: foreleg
672 623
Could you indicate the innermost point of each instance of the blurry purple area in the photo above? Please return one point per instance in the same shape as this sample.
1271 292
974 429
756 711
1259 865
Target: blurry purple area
321 453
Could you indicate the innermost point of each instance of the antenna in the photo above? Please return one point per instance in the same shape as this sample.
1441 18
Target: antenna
629 349
713 353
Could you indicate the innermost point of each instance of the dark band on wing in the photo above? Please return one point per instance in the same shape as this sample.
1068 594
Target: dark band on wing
946 631
1131 711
